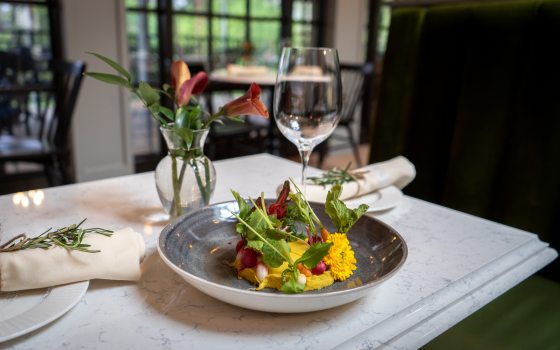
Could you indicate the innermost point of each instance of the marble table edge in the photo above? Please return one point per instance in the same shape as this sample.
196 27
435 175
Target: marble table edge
417 313
426 330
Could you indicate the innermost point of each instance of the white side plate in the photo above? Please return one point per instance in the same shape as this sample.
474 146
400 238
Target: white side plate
24 311
385 198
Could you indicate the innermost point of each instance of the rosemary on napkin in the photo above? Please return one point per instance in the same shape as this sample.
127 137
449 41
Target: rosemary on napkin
69 237
337 176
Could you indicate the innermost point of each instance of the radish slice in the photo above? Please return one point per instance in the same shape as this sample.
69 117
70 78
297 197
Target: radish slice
302 279
262 271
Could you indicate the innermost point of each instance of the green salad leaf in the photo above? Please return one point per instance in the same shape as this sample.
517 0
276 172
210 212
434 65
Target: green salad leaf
314 254
291 286
342 217
275 257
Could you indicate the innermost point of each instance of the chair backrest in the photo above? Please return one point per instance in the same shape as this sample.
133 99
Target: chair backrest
353 77
67 82
469 95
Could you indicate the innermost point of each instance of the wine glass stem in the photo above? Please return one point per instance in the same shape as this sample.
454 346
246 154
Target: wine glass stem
305 153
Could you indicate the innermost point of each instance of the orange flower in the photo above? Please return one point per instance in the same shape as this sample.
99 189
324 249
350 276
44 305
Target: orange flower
184 85
250 103
179 73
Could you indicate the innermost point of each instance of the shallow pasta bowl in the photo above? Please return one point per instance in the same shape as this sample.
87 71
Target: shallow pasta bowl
200 247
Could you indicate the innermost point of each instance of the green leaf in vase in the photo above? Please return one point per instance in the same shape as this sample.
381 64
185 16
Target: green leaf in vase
117 67
109 78
148 93
168 113
185 134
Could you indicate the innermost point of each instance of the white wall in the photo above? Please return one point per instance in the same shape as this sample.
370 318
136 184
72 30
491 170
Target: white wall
350 20
101 141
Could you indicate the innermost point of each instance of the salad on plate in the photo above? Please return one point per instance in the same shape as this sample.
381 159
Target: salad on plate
284 245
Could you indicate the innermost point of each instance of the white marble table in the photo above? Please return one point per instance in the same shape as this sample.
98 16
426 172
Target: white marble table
456 264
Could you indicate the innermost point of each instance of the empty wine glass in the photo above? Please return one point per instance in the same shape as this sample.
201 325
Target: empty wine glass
307 98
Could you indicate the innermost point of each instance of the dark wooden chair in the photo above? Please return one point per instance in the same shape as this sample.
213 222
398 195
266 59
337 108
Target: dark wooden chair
49 147
353 77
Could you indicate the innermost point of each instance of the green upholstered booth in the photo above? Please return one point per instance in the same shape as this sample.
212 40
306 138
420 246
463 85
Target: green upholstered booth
470 93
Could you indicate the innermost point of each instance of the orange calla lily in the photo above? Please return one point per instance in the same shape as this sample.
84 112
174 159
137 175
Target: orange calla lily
192 86
185 86
248 104
179 73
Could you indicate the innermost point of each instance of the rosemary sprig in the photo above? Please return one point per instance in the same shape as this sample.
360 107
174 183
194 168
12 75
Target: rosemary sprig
333 177
69 237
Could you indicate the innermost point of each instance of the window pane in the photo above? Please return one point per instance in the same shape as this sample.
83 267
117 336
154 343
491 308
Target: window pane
147 4
143 46
383 31
190 38
191 5
24 43
302 35
302 10
144 130
227 40
265 37
229 7
266 8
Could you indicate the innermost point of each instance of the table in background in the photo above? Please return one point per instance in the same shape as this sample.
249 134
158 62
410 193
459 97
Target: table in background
221 80
222 76
456 264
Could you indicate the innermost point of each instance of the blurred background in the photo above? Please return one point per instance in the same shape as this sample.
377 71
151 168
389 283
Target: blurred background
467 90
146 36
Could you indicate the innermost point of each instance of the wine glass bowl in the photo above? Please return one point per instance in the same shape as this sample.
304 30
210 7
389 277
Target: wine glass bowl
307 97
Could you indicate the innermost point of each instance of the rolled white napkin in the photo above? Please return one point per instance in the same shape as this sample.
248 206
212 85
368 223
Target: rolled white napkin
119 259
397 171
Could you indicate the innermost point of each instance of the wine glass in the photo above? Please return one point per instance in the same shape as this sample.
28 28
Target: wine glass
307 98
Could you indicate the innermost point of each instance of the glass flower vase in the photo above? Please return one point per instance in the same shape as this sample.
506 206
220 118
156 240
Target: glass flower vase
185 178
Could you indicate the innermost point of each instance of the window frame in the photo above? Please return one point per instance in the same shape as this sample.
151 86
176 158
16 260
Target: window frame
166 13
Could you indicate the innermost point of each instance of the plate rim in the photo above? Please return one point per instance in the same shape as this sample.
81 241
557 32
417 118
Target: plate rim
249 292
52 297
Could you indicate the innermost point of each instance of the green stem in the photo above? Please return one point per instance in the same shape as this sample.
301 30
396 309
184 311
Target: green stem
201 187
207 178
213 118
176 202
182 173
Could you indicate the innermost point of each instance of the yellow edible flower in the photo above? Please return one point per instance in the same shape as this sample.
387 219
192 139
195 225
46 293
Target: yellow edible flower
340 258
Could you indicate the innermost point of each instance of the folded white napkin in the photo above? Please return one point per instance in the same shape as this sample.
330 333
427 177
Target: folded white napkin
398 172
119 259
